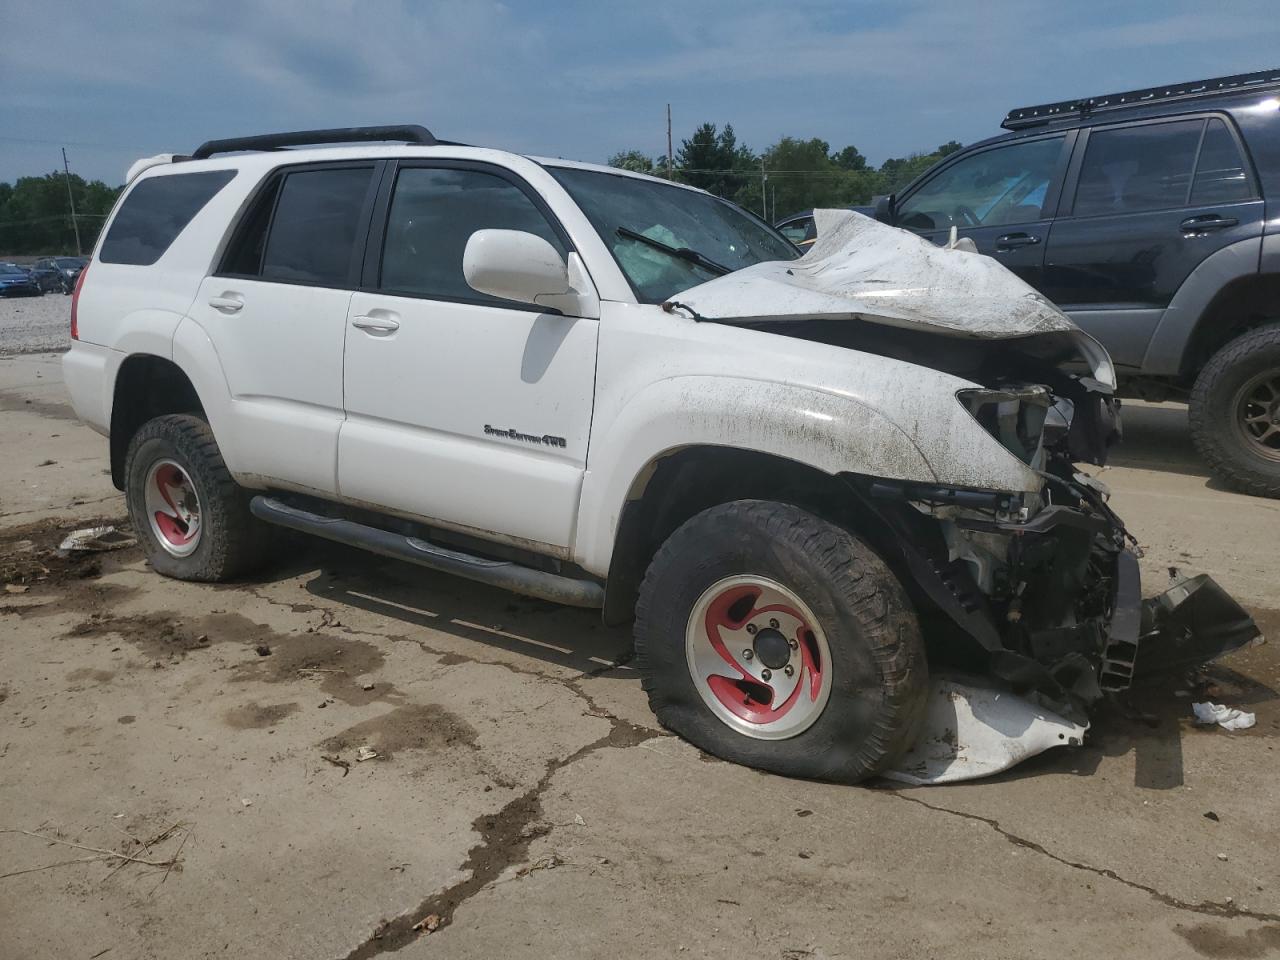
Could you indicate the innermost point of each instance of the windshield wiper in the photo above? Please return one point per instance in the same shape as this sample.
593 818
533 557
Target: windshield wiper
680 253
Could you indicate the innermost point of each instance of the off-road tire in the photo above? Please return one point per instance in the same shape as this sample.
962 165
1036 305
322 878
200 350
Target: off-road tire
879 683
1213 413
233 542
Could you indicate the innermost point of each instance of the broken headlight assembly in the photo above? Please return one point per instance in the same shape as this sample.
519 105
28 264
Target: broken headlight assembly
1014 415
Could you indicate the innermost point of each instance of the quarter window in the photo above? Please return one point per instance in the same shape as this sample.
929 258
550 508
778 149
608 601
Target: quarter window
434 212
1220 171
1147 167
155 212
992 188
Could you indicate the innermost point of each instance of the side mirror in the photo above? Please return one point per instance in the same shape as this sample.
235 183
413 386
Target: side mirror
521 266
885 209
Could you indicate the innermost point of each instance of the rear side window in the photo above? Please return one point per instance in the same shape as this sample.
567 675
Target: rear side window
302 228
313 233
434 212
1220 172
1148 167
155 212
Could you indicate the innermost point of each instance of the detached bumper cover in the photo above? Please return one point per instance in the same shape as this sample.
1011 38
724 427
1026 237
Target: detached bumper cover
1191 623
974 730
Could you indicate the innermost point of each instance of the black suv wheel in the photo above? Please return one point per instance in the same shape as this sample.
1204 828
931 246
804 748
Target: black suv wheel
771 638
1235 412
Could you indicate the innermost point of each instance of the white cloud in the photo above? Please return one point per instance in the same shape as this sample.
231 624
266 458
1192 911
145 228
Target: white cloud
582 78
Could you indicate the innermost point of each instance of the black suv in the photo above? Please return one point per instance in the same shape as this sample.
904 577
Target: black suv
1153 219
58 273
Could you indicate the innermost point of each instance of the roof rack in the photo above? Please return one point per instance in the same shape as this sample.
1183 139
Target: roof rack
1032 116
405 132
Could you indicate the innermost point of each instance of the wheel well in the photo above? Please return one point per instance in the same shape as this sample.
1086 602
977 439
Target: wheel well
678 486
147 386
1240 306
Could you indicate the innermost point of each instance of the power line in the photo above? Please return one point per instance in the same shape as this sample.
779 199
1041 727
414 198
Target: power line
70 143
60 216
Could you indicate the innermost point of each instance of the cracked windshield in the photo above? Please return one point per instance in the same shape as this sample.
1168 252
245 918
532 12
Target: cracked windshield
703 236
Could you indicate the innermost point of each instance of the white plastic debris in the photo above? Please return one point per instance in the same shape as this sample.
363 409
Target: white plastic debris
366 753
974 731
96 539
1228 718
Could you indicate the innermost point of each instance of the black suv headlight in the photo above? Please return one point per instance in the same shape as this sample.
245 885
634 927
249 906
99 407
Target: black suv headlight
1013 415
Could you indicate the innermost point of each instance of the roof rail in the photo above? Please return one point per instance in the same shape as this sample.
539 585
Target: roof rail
405 132
1032 116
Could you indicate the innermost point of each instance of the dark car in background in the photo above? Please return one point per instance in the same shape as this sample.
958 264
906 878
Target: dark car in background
1152 218
58 273
799 229
16 281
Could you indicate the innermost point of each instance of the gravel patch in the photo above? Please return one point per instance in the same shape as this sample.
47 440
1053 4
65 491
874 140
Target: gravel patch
35 324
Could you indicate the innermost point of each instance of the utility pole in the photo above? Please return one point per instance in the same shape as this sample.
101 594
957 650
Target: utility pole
669 141
764 187
66 168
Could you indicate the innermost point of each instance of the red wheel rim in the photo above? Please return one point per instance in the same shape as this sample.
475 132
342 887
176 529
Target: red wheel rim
173 508
758 657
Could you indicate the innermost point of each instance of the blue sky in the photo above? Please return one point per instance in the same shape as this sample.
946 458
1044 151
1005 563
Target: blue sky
115 81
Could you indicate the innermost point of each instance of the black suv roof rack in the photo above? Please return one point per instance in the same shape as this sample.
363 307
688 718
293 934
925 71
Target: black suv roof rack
1031 116
404 133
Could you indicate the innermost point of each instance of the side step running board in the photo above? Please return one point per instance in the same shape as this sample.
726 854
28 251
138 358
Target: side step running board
499 573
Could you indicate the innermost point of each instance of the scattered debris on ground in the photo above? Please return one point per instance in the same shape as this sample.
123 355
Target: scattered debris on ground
428 924
100 854
97 540
1229 718
338 762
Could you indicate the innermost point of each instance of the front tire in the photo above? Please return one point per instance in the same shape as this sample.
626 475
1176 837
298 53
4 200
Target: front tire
191 517
1235 413
771 638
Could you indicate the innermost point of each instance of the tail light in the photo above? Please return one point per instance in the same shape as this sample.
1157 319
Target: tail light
75 302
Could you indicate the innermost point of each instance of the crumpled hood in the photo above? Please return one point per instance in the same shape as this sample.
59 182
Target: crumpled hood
859 268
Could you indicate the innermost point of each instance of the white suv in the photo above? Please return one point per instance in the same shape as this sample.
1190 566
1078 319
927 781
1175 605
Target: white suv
810 480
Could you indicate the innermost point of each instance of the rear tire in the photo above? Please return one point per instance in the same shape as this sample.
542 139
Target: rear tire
1235 413
763 576
191 517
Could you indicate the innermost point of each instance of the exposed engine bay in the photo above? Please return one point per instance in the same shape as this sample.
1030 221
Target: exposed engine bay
1037 594
1047 583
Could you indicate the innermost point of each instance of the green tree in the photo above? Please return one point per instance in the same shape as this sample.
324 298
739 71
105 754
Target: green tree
35 217
898 172
850 158
634 161
801 175
715 161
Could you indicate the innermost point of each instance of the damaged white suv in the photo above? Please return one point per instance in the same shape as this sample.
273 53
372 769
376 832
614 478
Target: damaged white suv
813 481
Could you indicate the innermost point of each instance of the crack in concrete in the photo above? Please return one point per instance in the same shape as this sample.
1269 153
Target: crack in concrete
505 836
46 510
1208 907
505 839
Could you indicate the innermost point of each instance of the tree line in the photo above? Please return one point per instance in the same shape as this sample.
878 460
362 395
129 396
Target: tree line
801 174
35 214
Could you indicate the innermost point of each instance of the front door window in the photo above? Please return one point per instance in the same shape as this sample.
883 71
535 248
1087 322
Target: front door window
1003 185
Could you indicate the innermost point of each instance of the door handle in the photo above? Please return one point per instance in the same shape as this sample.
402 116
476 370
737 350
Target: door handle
375 324
1194 226
1011 241
227 303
